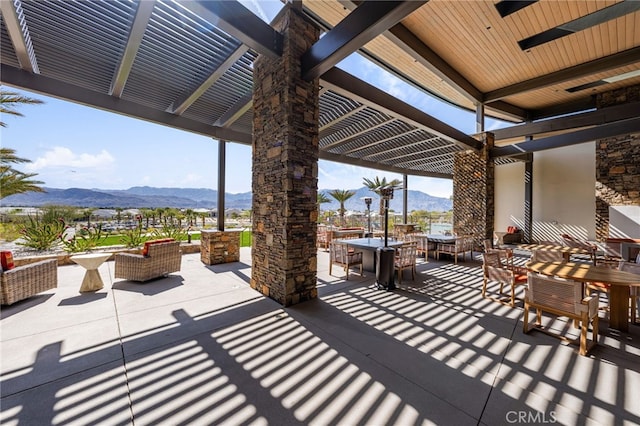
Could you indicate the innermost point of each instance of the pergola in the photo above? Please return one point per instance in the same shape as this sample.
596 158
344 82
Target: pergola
192 65
188 64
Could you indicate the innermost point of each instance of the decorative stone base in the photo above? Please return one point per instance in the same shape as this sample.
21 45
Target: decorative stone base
219 247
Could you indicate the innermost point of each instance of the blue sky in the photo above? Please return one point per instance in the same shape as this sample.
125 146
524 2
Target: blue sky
71 145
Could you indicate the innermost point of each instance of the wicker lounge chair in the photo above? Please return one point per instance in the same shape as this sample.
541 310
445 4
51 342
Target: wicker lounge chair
161 260
28 280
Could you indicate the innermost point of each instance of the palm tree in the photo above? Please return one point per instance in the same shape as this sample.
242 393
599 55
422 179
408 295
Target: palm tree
377 185
10 100
13 181
341 195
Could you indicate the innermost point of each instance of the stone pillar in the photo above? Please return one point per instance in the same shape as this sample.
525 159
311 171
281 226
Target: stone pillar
473 189
285 168
617 164
219 246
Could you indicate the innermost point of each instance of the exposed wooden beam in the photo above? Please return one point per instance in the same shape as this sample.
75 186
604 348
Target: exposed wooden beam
585 119
239 22
365 23
606 63
342 82
138 28
617 128
18 31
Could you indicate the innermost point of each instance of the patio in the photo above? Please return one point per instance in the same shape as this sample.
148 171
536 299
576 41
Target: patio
202 347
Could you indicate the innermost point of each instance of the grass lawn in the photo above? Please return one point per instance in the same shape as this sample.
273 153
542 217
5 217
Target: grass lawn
114 240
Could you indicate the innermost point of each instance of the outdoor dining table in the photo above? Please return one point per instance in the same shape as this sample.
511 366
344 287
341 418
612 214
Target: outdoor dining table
565 250
369 247
620 281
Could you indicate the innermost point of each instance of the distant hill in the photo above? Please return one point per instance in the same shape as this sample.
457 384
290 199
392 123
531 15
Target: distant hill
151 197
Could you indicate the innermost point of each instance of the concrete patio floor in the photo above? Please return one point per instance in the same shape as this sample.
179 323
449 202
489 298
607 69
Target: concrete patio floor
201 347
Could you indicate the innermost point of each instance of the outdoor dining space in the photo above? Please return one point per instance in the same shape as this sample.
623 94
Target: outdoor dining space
199 346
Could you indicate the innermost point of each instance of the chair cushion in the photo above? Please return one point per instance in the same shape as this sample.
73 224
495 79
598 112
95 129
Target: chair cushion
145 250
520 278
6 260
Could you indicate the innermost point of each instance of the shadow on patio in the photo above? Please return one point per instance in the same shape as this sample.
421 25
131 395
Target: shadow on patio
201 347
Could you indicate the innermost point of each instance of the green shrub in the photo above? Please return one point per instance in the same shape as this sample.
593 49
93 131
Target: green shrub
42 235
133 237
170 230
85 239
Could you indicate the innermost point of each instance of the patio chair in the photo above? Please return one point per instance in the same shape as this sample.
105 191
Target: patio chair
25 281
634 268
563 298
547 256
405 258
589 248
506 254
462 245
340 254
494 269
161 260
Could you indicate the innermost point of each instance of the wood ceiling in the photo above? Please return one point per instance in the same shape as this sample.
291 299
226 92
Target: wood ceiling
466 53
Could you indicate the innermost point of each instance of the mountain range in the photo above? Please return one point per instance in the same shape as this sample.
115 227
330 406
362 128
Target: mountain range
152 197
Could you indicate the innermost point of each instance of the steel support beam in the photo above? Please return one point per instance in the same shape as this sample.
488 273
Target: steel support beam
617 128
344 83
18 31
365 23
324 155
222 162
238 109
239 22
140 22
59 89
585 119
617 60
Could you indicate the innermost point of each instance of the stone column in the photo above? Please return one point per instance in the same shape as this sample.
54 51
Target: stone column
473 189
285 169
617 164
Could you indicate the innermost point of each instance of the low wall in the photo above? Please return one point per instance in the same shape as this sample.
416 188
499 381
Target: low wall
65 258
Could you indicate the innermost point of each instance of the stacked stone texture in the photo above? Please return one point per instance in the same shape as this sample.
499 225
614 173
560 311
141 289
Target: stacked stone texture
285 169
219 247
617 164
473 188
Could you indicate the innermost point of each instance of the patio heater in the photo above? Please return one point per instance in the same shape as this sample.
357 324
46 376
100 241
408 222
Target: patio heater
367 201
385 255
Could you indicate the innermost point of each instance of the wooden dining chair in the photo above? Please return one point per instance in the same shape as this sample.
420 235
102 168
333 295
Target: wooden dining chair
547 256
340 255
494 268
406 259
634 268
563 298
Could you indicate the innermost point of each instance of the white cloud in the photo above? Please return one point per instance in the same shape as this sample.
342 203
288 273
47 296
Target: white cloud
60 156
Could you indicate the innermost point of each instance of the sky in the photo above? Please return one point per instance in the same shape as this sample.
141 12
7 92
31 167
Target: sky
75 146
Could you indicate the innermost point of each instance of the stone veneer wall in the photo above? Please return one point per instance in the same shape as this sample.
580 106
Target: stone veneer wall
617 165
473 189
285 169
219 247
